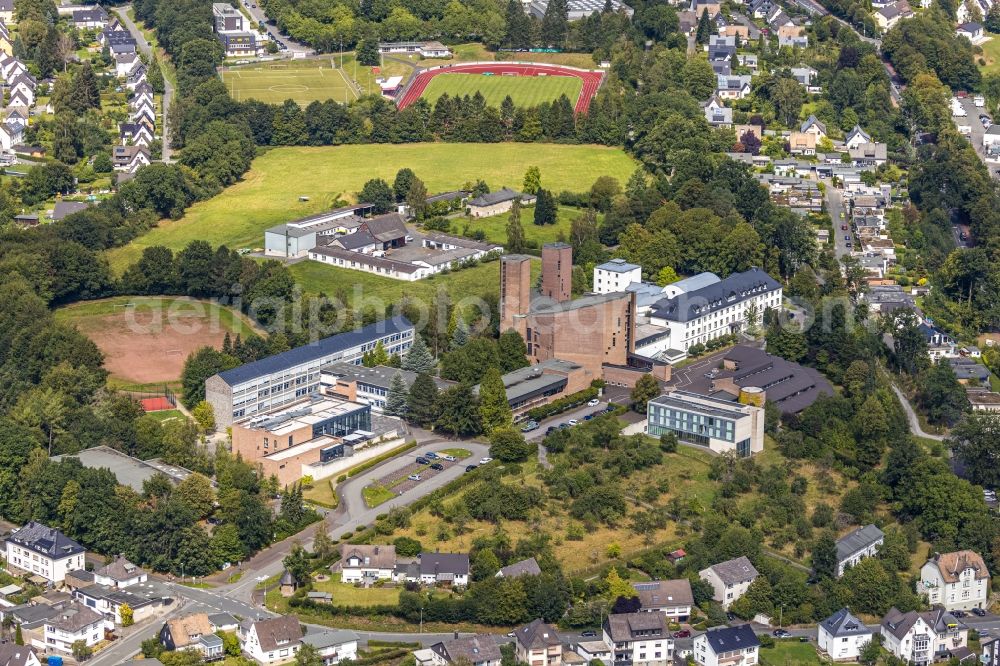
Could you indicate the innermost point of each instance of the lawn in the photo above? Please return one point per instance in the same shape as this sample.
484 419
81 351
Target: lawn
305 81
322 493
495 227
167 415
790 653
524 90
375 495
267 195
366 290
457 453
991 54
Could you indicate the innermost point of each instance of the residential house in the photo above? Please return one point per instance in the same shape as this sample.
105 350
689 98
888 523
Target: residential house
639 639
990 655
805 75
91 18
125 63
857 545
10 135
361 562
333 645
477 650
857 137
130 158
119 573
496 203
968 371
595 649
991 136
971 31
6 43
528 567
800 143
922 638
717 114
271 641
939 344
111 600
444 568
732 86
672 598
955 581
759 9
186 633
22 99
814 126
727 646
47 552
12 654
869 155
729 579
7 11
887 17
223 622
842 635
17 116
538 644
794 42
135 134
73 623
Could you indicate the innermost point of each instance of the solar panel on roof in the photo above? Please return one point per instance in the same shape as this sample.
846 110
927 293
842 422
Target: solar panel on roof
642 587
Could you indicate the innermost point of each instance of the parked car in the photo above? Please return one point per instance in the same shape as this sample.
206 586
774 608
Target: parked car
423 461
414 477
487 459
979 612
550 430
448 458
843 227
469 468
593 403
780 633
847 237
589 633
573 422
588 417
430 455
958 613
529 426
437 466
609 409
683 633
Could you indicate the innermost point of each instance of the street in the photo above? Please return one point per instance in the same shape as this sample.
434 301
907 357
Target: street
838 214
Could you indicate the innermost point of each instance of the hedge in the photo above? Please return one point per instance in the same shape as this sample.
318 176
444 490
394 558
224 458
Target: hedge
562 404
368 464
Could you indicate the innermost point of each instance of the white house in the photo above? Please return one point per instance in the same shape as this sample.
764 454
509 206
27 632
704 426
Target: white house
438 568
729 579
74 622
971 31
856 137
727 646
333 645
955 581
640 639
921 638
360 562
271 641
11 134
41 550
814 126
857 545
615 275
120 573
673 598
841 636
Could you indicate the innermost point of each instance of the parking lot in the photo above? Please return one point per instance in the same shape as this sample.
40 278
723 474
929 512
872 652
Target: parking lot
399 481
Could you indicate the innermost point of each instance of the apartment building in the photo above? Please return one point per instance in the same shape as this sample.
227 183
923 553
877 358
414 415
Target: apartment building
727 646
639 639
718 424
44 551
538 644
955 581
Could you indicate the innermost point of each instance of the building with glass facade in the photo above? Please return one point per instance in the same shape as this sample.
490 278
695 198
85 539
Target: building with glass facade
715 423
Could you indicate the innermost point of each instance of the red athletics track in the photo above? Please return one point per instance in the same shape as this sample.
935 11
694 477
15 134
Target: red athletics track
591 80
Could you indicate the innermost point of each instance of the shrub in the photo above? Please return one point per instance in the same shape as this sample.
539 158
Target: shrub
346 535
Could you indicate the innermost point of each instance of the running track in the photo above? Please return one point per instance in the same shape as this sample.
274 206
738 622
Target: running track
591 80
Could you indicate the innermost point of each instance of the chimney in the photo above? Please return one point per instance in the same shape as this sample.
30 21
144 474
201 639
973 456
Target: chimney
456 635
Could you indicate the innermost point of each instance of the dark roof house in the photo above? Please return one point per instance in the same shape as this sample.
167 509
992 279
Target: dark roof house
843 623
476 649
536 635
729 639
528 567
45 541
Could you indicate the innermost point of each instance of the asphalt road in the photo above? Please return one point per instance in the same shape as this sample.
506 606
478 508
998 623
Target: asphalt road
352 512
168 88
612 393
257 12
835 206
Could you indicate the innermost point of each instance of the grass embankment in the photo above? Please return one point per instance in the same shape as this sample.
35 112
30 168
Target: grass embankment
269 193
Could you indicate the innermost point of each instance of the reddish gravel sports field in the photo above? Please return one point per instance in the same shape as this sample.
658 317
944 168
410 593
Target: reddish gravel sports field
591 80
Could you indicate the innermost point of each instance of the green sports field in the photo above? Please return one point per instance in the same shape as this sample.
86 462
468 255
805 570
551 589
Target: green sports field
524 90
301 80
269 193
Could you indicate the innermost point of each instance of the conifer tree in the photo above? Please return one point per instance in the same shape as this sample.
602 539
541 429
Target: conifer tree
395 401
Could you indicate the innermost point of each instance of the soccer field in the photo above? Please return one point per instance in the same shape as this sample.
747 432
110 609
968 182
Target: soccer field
303 81
524 90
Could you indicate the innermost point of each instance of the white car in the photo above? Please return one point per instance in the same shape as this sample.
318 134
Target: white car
593 403
573 422
414 477
483 461
449 458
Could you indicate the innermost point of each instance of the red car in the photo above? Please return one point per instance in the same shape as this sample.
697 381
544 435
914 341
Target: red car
683 633
843 227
